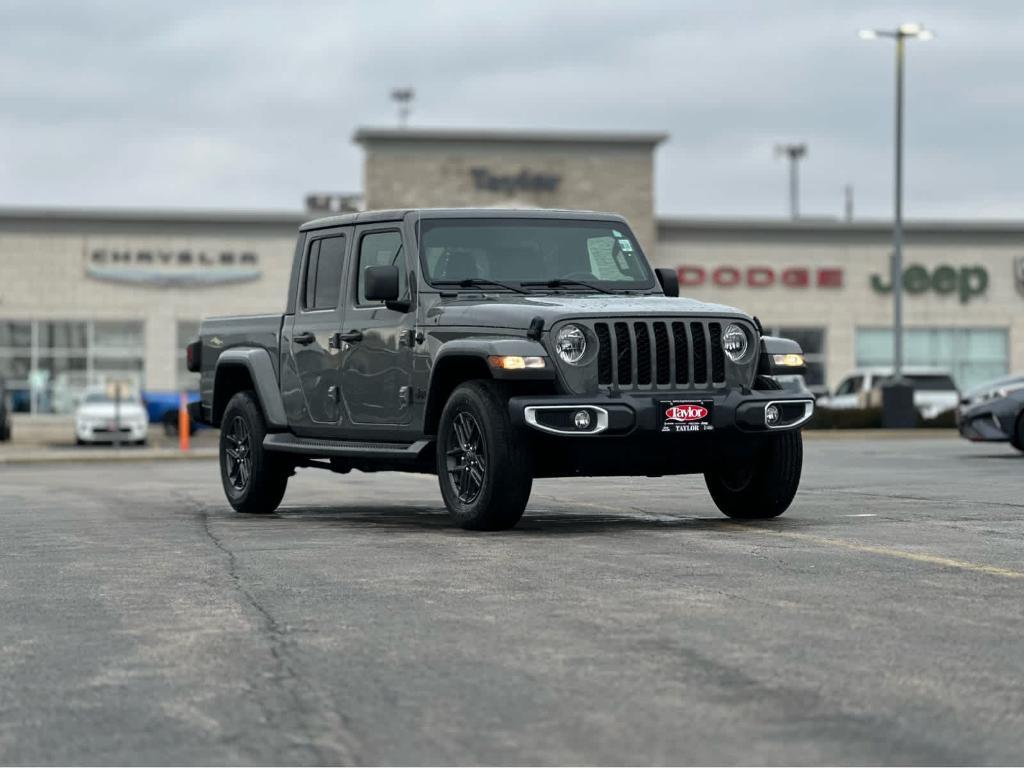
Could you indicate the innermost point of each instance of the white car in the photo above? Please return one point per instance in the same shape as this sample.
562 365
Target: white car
934 390
102 419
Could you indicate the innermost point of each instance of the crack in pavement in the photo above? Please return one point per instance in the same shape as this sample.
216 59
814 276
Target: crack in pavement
286 676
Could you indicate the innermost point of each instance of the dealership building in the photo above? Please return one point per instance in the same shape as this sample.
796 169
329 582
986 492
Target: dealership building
91 296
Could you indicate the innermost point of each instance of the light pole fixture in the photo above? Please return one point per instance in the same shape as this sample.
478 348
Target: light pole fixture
900 35
403 98
795 153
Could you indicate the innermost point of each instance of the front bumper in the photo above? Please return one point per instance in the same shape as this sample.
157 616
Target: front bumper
111 433
641 412
991 421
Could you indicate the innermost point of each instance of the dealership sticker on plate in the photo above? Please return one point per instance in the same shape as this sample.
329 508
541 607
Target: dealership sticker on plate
686 415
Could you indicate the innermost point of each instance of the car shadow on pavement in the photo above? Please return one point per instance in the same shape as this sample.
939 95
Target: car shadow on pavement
546 521
983 456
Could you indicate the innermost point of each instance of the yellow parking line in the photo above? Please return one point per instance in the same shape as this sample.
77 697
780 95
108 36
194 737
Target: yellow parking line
919 557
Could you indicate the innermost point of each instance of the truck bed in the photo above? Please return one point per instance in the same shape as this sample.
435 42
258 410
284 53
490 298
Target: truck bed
219 334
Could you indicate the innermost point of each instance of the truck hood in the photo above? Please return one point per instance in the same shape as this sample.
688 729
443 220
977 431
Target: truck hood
515 311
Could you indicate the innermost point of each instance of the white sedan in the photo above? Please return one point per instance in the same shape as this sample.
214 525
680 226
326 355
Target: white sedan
101 418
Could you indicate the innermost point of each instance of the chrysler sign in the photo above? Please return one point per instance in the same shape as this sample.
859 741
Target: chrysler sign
167 268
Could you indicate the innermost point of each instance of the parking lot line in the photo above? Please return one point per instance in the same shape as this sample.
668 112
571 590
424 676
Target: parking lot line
948 562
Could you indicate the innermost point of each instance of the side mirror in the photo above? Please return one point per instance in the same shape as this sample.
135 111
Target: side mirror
381 283
669 280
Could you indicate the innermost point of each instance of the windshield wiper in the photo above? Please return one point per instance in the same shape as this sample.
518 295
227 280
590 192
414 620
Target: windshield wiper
475 282
561 282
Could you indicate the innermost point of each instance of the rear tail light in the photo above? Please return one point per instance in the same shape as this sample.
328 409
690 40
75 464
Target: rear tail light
193 356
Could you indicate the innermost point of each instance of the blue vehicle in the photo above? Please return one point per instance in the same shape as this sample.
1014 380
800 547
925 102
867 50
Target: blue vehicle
163 406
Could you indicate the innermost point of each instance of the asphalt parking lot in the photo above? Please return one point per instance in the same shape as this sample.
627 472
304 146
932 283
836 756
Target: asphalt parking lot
880 620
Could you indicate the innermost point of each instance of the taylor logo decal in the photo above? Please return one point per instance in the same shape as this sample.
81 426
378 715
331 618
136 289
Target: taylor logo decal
686 413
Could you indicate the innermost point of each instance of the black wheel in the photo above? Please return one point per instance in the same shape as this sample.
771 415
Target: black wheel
254 480
482 465
1017 438
764 485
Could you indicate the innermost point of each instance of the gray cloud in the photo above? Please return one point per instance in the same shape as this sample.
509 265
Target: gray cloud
224 104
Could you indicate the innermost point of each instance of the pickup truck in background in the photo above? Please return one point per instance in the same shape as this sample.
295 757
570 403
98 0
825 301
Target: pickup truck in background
492 347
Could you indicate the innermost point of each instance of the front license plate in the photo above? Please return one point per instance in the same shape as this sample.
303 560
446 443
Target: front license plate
686 415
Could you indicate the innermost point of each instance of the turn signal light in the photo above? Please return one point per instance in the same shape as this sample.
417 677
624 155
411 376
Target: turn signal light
515 362
792 360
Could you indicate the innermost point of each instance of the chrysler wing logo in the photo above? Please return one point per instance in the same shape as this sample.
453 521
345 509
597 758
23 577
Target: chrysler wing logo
1018 273
171 269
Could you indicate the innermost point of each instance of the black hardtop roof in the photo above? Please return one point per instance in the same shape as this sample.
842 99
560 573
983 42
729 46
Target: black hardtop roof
372 217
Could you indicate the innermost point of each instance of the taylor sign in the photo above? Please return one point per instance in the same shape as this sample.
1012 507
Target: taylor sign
761 277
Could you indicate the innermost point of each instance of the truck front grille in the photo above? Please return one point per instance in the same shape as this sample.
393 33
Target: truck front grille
641 354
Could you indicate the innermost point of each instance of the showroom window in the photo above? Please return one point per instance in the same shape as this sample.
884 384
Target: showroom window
188 331
47 363
972 355
812 342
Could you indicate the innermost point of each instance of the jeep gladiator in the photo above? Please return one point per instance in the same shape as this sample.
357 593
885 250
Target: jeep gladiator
490 347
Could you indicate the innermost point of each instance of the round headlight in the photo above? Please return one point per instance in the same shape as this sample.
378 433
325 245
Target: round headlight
734 342
571 344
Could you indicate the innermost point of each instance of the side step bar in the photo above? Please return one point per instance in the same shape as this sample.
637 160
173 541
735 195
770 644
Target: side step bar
312 446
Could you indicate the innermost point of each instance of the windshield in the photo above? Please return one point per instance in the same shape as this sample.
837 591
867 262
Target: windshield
534 252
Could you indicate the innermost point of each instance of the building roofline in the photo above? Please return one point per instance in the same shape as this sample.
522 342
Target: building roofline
824 225
156 215
368 134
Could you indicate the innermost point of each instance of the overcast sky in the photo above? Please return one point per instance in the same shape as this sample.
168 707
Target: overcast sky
218 104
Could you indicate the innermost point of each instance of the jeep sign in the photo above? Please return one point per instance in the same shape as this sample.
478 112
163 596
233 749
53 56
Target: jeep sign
965 282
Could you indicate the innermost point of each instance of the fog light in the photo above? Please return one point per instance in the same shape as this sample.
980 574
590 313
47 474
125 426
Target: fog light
582 419
771 415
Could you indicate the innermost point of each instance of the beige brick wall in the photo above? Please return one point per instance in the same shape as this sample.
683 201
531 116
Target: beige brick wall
43 277
614 178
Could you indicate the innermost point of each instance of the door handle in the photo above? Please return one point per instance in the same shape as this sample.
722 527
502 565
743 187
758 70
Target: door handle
304 338
351 336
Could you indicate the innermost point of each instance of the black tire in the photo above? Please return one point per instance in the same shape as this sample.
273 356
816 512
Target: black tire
765 487
254 480
5 433
485 474
1017 438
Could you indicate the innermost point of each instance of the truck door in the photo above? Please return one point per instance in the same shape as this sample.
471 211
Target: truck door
313 347
376 368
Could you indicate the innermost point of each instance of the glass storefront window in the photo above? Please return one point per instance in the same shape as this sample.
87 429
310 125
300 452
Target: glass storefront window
972 355
117 334
15 335
48 363
63 335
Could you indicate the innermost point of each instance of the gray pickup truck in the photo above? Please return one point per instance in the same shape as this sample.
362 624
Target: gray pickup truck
490 347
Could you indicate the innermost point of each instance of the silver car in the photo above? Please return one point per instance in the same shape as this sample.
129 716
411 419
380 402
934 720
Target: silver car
994 412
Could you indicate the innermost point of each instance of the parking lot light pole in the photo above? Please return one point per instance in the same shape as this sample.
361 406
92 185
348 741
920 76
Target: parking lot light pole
897 398
795 153
900 35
